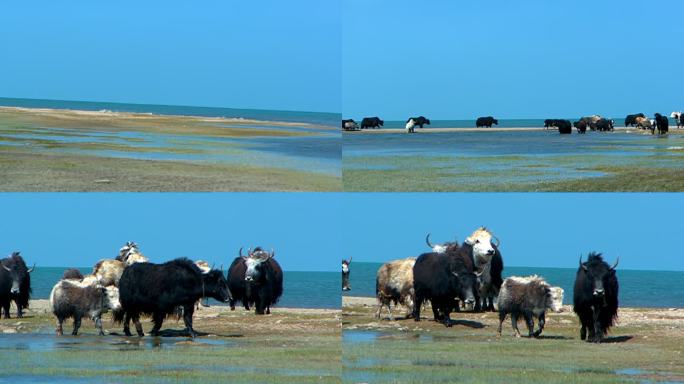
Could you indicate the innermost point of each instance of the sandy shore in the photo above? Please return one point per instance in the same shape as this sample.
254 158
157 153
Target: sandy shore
150 117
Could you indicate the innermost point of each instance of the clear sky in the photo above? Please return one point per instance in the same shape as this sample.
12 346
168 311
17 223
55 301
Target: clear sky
266 54
535 229
512 59
78 229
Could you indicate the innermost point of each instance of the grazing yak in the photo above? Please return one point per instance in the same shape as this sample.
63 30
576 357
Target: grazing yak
604 125
73 299
662 124
158 289
528 297
349 125
678 118
581 126
15 284
257 280
642 122
72 274
487 121
371 122
394 283
419 121
442 278
345 274
596 296
630 120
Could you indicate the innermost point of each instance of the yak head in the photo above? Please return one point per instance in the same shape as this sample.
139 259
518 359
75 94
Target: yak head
597 272
467 285
481 241
345 274
18 272
203 266
130 254
554 298
215 286
255 264
112 294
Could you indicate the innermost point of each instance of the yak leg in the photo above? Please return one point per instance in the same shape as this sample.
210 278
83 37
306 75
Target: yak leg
514 322
435 310
232 305
127 324
529 321
60 330
158 319
268 309
502 317
598 332
389 310
6 309
77 325
187 318
447 311
20 313
542 321
380 305
98 325
583 333
138 326
416 308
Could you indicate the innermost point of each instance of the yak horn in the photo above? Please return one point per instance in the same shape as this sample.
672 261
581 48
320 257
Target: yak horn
272 254
498 242
478 274
34 267
240 252
350 259
454 273
616 263
427 241
582 265
4 266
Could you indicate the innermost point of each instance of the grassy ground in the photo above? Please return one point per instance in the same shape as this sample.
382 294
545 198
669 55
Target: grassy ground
289 346
21 171
646 346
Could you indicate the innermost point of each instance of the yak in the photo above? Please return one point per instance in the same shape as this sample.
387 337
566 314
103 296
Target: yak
441 278
604 125
349 125
15 284
662 124
487 121
530 297
257 280
678 118
74 299
440 248
581 126
394 283
371 122
157 289
345 274
630 120
564 126
595 298
419 121
130 253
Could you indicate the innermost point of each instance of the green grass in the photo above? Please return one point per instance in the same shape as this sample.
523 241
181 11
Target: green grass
428 352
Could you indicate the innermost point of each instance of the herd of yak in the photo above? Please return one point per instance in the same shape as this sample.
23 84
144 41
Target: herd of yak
130 286
659 123
469 274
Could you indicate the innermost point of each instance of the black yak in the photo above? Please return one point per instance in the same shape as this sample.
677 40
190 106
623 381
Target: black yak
73 299
442 278
15 284
604 125
157 289
371 122
662 124
487 121
564 126
528 297
345 274
257 279
581 126
419 121
596 297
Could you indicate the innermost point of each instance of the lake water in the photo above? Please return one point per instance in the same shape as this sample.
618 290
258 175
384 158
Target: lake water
655 289
301 289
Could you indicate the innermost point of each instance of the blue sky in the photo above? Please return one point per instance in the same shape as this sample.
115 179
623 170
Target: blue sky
78 229
266 54
511 59
535 229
